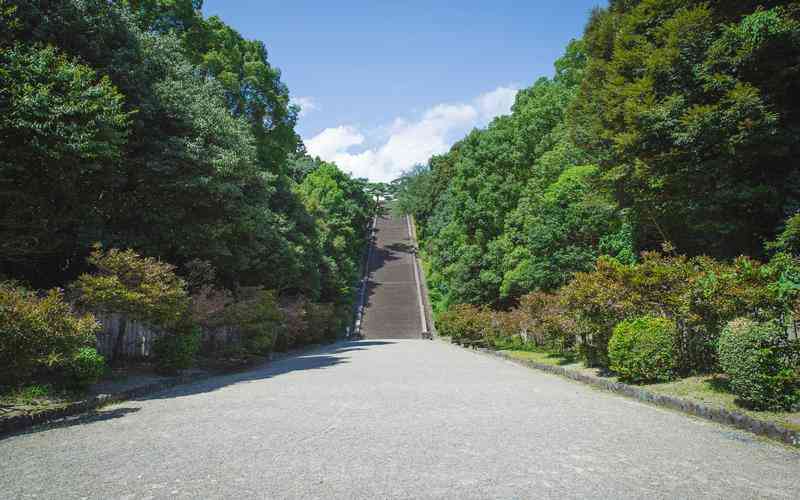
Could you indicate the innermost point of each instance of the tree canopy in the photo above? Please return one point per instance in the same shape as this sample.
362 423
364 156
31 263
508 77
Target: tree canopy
144 125
669 122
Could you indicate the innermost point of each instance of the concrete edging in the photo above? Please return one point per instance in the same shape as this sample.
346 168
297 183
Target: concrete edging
422 282
20 422
358 316
412 234
715 414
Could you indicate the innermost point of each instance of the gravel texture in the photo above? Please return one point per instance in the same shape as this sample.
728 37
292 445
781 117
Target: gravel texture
392 419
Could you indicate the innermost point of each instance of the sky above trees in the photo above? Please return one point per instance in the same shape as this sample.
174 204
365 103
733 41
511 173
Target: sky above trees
384 85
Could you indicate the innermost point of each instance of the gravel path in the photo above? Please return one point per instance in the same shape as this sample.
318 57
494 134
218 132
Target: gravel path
392 419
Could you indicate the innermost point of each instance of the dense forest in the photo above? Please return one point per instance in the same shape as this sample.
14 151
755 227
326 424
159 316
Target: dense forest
145 127
655 174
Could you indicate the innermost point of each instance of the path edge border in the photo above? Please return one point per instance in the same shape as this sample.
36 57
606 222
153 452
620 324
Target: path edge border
712 413
423 282
21 422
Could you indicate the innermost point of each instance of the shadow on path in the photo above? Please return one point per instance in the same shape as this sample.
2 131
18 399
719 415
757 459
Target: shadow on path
91 417
323 357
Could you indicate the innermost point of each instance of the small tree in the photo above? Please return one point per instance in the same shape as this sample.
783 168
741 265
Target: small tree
141 287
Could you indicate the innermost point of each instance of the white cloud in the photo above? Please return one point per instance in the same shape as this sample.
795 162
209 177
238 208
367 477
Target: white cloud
306 104
496 102
332 141
409 141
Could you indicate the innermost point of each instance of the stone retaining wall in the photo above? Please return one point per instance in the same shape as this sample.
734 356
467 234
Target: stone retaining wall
136 338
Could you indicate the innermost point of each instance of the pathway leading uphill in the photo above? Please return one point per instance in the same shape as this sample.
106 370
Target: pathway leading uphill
392 304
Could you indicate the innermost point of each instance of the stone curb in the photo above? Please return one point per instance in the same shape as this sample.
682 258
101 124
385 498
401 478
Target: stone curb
715 414
18 423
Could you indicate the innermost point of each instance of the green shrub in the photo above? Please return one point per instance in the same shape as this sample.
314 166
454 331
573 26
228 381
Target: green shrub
323 323
141 287
545 321
30 394
295 321
506 328
465 321
176 351
789 239
598 301
87 366
701 294
642 349
759 360
39 333
255 314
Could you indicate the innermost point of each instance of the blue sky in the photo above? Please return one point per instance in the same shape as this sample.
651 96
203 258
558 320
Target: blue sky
385 84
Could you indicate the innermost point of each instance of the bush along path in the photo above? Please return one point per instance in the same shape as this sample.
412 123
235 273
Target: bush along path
717 334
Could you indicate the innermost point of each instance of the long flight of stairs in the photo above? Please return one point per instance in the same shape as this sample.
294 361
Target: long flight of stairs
391 308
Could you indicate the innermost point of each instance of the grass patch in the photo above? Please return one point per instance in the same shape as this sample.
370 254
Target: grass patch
37 395
711 390
547 358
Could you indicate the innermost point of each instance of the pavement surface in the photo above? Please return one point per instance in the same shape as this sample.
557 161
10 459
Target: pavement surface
392 419
391 309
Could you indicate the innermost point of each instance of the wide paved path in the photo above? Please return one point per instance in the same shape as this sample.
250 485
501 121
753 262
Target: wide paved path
392 304
392 419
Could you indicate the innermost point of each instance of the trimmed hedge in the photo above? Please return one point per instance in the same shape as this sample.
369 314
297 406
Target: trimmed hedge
642 349
759 361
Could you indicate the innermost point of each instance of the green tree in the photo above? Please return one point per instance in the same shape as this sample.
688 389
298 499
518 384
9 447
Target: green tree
689 110
63 129
342 208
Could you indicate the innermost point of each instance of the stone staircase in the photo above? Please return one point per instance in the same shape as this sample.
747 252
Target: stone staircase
391 308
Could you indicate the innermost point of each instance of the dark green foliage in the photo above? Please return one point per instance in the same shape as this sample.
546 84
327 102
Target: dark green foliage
256 316
671 125
690 110
555 233
140 124
176 351
87 366
642 349
669 122
340 206
513 208
62 130
761 363
160 131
